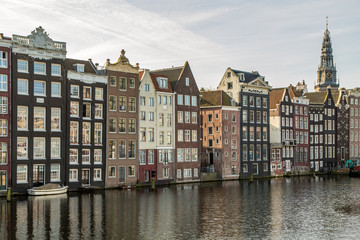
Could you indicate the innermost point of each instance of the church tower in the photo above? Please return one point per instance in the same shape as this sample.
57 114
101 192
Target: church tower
326 74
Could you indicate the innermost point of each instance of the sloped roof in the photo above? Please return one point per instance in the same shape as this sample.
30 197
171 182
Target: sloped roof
215 98
295 92
88 68
316 97
276 95
156 85
336 96
172 74
249 76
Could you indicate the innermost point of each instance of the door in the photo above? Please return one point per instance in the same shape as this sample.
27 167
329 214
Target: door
85 177
38 175
316 166
122 174
288 165
147 175
211 156
3 180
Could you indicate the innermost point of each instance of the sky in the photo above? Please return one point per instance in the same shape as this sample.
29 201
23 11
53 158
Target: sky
280 39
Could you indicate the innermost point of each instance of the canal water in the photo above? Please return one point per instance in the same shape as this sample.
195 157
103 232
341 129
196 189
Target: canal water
326 207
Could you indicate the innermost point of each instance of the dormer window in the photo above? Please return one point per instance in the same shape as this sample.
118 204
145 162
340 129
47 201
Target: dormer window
187 81
163 82
241 77
79 67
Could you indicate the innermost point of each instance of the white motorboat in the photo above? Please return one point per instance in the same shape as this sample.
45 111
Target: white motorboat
47 189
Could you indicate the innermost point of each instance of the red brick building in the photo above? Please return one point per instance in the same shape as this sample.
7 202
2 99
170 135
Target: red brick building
220 135
5 113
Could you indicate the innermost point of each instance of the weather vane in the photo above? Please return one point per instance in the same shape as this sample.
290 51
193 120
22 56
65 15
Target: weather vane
327 22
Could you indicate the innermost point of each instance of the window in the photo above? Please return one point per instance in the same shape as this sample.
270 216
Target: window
112 149
131 171
22 118
193 101
194 135
86 92
151 116
55 172
132 83
55 69
55 119
97 174
55 148
142 101
180 135
151 101
112 172
98 110
229 85
194 117
23 87
187 135
73 153
142 134
151 134
22 66
112 81
39 119
122 125
39 148
180 99
180 154
147 87
168 119
74 91
187 173
233 144
39 68
3 153
165 100
55 89
122 148
251 101
99 93
132 149
86 110
73 175
3 83
161 137
151 156
39 88
187 117
132 104
3 59
86 133
112 103
187 100
244 100
132 128
251 134
122 103
85 156
180 116
22 148
122 83
74 132
112 125
258 102
21 173
98 134
74 109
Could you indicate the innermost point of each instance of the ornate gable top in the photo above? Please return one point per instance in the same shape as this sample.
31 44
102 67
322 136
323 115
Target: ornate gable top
39 39
122 64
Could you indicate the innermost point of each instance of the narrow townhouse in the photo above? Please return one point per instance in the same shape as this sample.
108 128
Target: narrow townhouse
122 116
187 127
322 131
86 125
251 92
342 128
354 124
5 113
38 110
282 125
220 135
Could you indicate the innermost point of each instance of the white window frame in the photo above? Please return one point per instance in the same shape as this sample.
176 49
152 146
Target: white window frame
41 110
25 166
53 93
4 105
55 172
55 69
3 83
98 156
24 66
40 68
72 173
3 59
41 148
97 172
73 156
73 90
25 147
55 116
55 148
27 87
37 91
99 94
98 109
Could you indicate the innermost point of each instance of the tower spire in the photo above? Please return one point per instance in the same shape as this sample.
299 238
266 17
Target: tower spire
327 22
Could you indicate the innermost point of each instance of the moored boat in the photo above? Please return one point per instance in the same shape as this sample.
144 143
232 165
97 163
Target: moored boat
47 189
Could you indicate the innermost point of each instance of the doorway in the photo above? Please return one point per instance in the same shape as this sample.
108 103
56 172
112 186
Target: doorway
3 180
85 177
38 175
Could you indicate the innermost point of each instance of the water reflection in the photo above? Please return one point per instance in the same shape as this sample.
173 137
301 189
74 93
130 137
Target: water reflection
301 208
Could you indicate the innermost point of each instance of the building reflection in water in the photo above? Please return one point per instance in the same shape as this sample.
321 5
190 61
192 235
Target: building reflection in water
277 217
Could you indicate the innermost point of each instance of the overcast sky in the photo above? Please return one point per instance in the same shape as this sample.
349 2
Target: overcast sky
279 39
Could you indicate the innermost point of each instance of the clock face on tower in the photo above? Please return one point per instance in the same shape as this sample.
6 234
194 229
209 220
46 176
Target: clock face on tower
328 75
